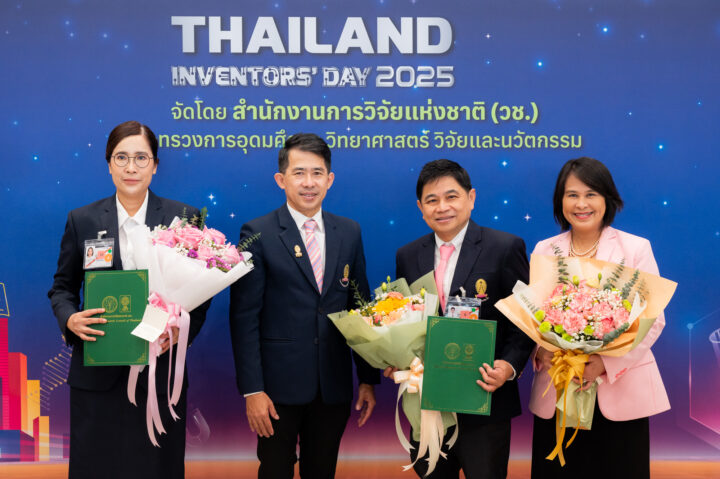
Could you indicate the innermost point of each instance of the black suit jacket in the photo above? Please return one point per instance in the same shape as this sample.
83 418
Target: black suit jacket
283 341
82 224
500 259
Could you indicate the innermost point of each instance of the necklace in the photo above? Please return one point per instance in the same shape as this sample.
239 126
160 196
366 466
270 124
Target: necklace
590 252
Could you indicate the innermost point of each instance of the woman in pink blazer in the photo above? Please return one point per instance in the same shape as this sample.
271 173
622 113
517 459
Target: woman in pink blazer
630 387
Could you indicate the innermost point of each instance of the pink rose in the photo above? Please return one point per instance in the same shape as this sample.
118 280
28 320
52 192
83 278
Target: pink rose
166 237
205 252
213 235
189 236
231 255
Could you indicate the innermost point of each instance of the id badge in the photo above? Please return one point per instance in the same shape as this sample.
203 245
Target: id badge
98 253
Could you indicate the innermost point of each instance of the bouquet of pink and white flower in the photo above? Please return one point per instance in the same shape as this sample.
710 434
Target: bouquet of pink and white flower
581 314
575 307
206 244
187 265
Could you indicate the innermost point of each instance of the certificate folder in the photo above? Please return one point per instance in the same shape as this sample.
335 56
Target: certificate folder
124 295
454 350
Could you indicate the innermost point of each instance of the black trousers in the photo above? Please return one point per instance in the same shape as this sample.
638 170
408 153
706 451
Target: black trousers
318 426
109 439
610 449
481 451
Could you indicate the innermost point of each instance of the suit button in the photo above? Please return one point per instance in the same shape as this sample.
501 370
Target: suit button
320 310
316 341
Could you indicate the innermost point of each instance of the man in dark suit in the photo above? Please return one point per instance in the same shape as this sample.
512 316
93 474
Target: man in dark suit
293 366
473 257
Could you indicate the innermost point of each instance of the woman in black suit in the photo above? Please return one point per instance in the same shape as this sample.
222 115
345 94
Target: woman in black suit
108 435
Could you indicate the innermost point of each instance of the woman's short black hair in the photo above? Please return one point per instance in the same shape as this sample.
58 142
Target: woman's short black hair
131 128
594 174
309 142
436 169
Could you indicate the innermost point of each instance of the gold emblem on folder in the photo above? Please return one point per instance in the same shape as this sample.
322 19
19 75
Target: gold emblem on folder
298 252
480 286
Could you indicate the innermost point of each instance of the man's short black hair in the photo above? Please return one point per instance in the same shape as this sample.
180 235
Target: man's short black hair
305 142
437 169
594 174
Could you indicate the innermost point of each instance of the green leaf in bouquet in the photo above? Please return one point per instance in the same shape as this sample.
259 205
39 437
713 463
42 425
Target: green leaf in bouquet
360 302
629 285
613 335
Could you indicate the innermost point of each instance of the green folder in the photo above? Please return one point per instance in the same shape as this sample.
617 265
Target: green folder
454 351
124 295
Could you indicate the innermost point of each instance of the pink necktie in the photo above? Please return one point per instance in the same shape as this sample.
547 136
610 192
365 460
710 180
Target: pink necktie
313 250
445 251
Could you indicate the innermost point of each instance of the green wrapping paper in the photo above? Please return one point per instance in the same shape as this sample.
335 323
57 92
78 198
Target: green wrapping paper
580 405
397 344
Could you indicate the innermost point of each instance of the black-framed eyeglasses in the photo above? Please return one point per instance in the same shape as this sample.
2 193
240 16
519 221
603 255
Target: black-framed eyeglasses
141 161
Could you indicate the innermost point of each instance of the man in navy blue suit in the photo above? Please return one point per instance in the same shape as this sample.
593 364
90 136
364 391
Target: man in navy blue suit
293 366
480 260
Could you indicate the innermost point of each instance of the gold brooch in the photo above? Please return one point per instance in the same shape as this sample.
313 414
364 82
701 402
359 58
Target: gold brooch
298 252
346 276
481 286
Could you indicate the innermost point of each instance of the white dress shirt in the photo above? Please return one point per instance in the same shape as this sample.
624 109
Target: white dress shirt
457 242
127 223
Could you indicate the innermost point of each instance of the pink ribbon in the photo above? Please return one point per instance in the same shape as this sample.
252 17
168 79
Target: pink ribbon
180 319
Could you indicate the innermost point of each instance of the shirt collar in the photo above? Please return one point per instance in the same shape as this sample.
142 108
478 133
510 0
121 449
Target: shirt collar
300 219
139 216
456 241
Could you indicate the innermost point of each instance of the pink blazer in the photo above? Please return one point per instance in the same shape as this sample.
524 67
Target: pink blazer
632 387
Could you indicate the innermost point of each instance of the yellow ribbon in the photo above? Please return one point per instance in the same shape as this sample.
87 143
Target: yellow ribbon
566 365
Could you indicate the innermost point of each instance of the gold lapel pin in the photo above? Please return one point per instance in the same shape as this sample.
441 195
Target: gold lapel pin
298 252
481 286
346 276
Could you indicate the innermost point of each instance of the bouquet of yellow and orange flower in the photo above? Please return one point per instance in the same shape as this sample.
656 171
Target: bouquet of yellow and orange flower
390 332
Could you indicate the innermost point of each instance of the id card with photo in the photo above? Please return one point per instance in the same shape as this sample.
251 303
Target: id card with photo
98 253
463 308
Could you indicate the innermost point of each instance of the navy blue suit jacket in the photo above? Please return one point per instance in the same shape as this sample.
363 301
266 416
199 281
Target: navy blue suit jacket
283 341
500 259
84 223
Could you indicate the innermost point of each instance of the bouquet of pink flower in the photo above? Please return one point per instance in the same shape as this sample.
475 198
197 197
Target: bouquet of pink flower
575 307
206 244
583 315
187 265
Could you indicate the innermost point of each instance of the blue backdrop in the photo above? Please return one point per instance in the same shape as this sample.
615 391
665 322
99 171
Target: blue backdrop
635 83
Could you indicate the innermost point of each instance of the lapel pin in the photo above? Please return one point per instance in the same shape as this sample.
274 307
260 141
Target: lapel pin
298 252
481 288
346 276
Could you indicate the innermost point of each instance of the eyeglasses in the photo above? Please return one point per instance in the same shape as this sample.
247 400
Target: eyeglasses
141 161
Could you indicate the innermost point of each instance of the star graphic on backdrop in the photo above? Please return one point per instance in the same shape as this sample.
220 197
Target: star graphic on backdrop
527 217
211 196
